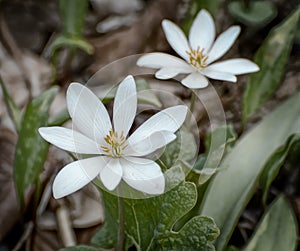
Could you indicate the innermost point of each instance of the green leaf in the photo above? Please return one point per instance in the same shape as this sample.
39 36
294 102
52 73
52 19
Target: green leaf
258 13
144 93
277 231
292 159
12 108
71 42
272 57
235 183
183 148
216 143
219 140
219 133
211 5
274 164
297 36
73 13
149 222
60 118
232 248
79 248
197 234
107 236
31 149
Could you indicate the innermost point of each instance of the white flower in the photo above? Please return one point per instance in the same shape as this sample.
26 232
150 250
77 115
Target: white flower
119 156
198 53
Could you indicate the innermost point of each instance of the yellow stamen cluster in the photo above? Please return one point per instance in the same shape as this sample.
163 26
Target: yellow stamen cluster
197 58
115 144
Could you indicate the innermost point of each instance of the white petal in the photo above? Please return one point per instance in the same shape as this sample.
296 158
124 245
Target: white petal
176 38
218 75
111 174
143 175
169 119
223 43
235 66
150 144
88 113
203 32
69 140
76 175
195 81
167 73
125 106
159 60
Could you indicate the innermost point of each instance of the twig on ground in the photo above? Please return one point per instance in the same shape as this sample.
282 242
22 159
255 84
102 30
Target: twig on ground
64 224
25 236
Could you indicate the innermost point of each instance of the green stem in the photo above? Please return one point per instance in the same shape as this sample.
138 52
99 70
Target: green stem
193 99
120 244
162 165
192 107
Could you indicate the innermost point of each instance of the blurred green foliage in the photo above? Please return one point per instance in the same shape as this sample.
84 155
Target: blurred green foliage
272 58
31 149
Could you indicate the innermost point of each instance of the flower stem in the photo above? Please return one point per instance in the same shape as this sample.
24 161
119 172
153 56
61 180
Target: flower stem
193 99
162 165
192 106
120 244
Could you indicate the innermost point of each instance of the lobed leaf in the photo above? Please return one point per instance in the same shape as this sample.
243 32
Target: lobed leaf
149 222
197 234
217 143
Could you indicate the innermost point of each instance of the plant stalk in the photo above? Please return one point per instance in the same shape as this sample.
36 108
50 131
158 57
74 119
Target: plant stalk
192 107
120 244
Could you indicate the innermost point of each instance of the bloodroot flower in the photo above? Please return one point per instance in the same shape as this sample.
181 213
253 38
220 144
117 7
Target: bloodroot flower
119 156
199 54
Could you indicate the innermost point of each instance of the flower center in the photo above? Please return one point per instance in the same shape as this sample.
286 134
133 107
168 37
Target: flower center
115 144
197 58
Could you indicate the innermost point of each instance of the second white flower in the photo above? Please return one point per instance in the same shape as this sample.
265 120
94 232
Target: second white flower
199 54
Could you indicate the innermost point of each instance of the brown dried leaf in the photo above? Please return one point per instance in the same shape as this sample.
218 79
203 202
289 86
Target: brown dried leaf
85 209
137 38
9 208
